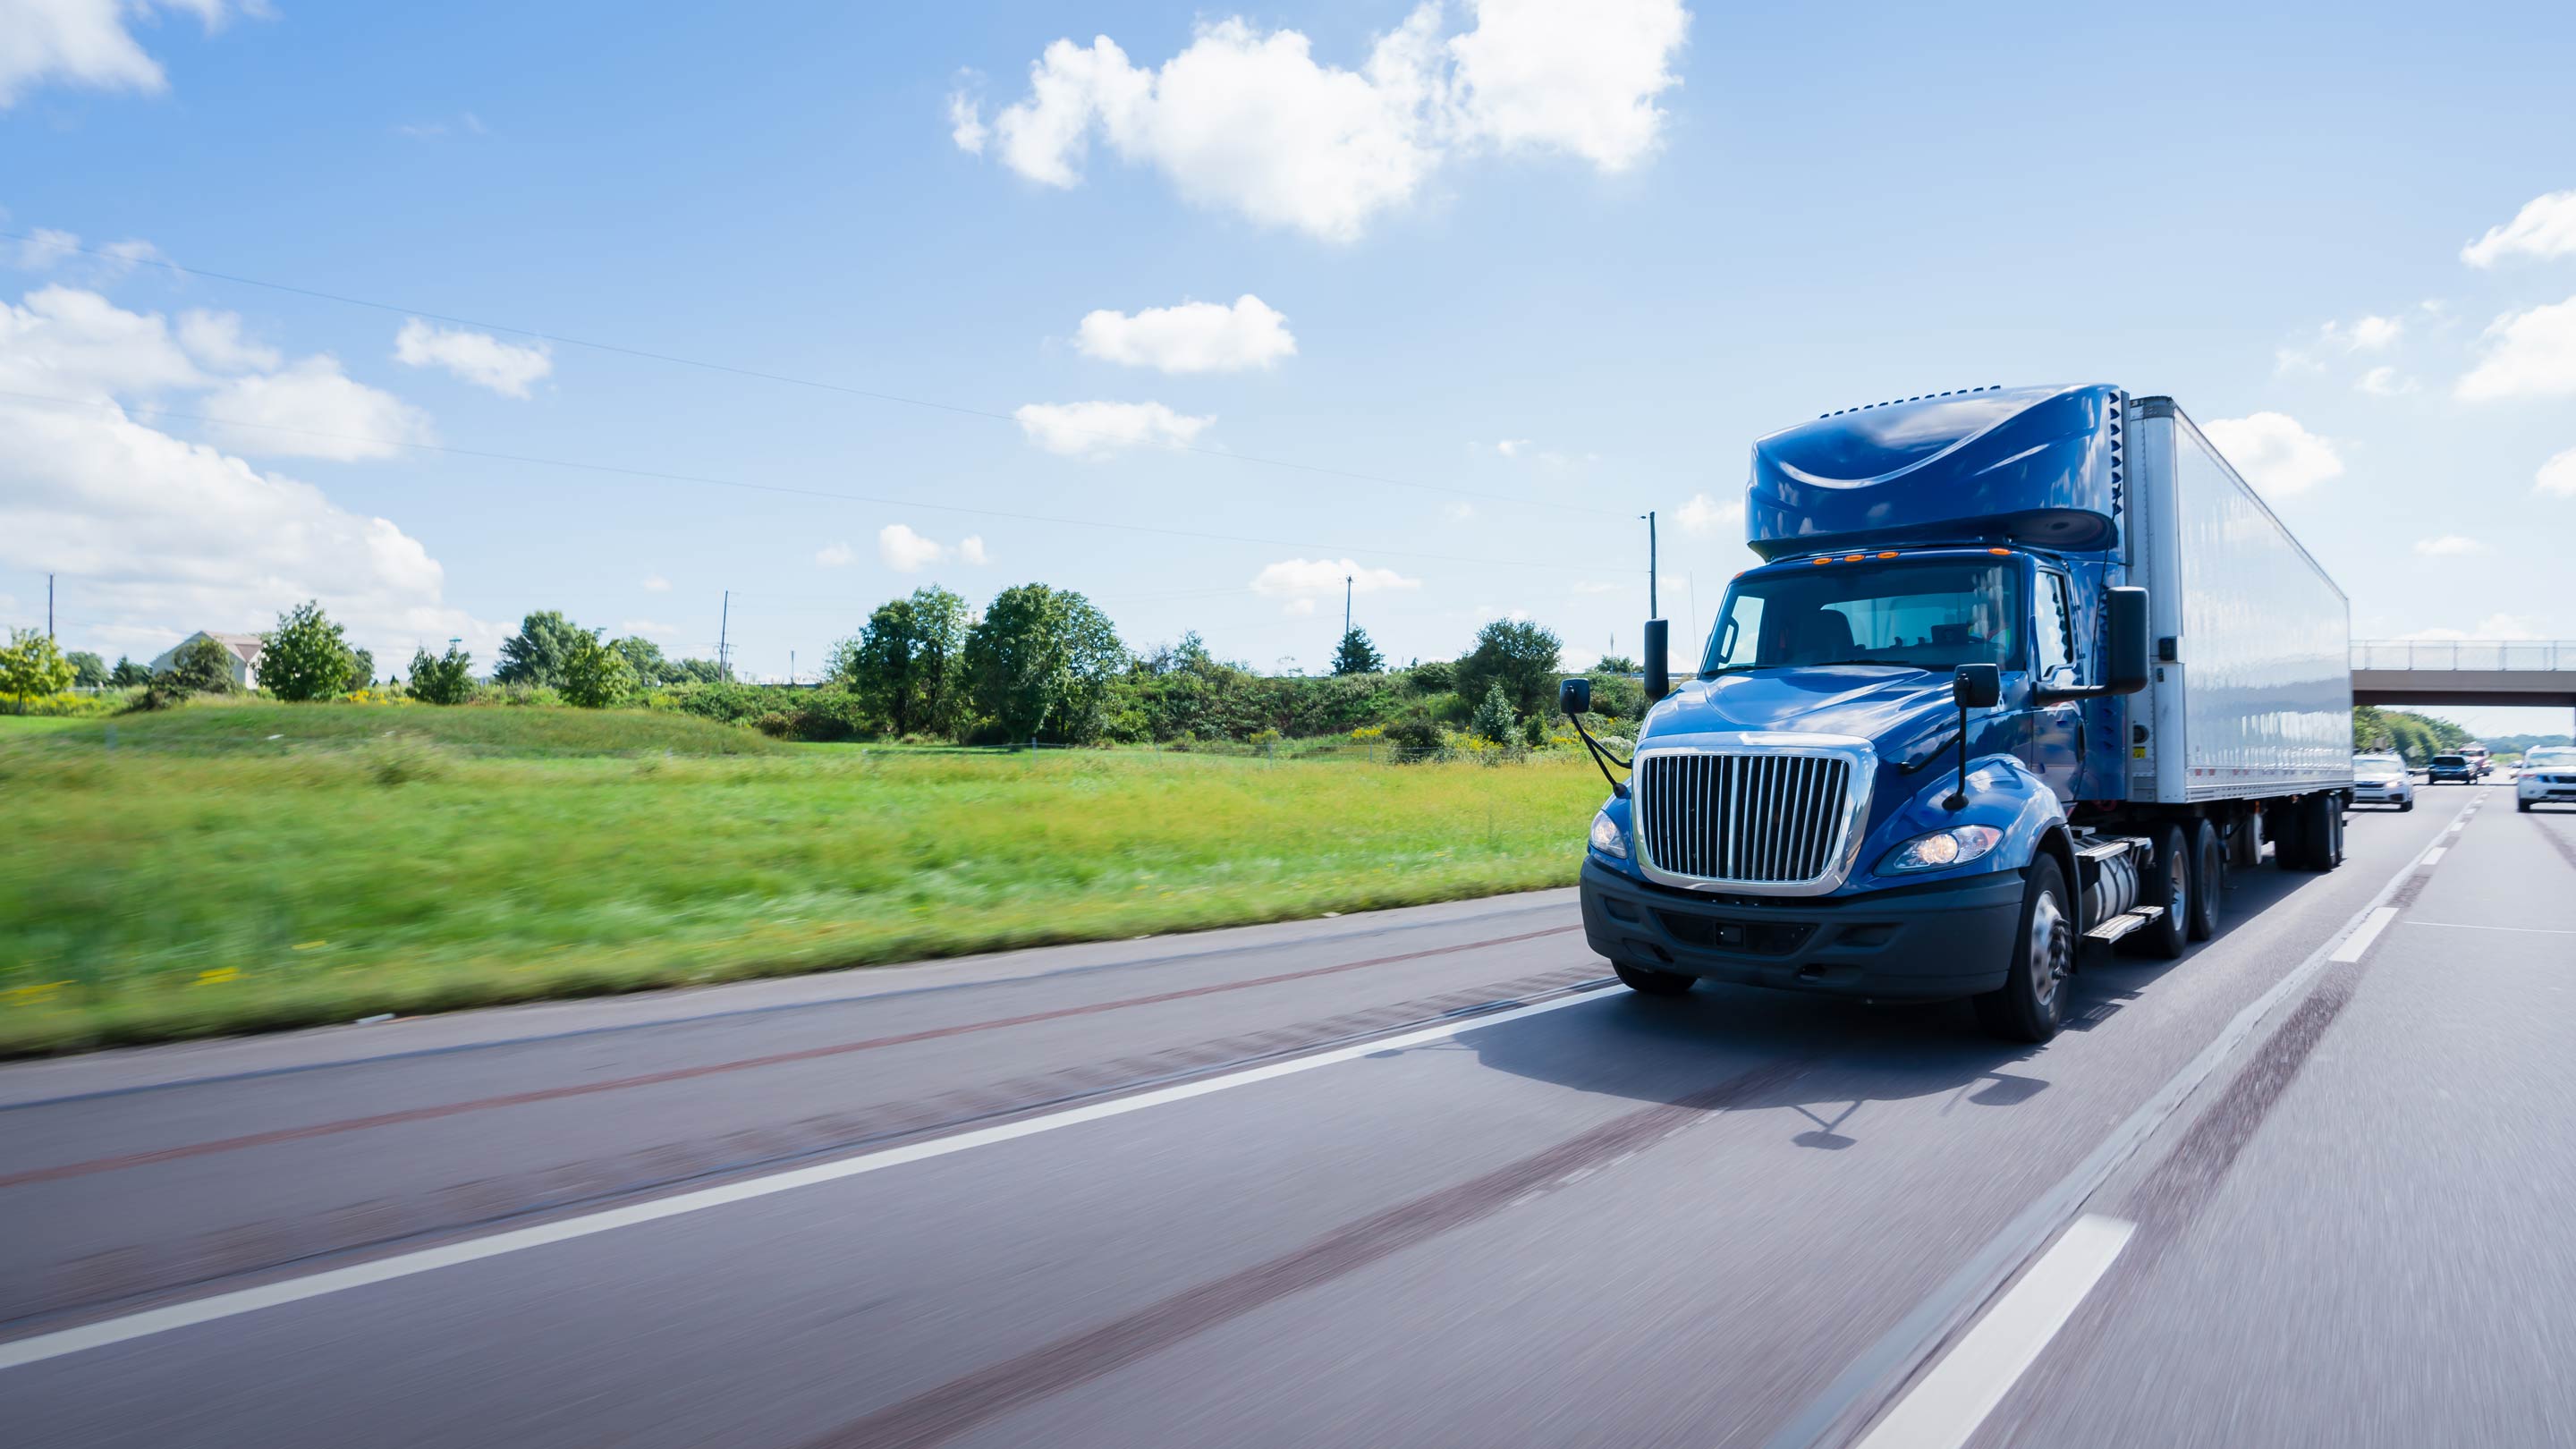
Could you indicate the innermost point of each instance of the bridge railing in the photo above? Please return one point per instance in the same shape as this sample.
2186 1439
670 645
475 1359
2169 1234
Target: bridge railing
2532 654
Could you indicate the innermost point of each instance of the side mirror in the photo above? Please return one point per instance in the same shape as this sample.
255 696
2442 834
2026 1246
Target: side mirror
1977 686
2128 667
1574 696
1659 667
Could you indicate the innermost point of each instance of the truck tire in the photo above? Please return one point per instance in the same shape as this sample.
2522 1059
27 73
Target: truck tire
1648 981
2208 879
2166 883
2245 842
2031 1003
2289 822
2320 833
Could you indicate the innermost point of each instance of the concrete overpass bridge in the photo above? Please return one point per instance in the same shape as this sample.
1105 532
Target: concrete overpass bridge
2416 673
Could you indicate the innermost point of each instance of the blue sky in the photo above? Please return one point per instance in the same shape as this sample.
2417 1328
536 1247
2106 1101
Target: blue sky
1623 239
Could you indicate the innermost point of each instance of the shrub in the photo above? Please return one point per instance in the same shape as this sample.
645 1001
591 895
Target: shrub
31 667
596 675
1437 676
1493 719
446 679
201 666
306 657
1417 738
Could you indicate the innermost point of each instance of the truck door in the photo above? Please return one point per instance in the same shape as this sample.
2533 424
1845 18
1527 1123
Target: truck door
2056 748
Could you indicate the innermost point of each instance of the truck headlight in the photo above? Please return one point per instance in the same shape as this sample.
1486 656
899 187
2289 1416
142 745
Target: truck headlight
1606 836
1955 846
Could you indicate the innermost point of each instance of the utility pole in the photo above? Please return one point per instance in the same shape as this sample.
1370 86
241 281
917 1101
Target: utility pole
1653 611
791 669
1346 606
724 622
49 606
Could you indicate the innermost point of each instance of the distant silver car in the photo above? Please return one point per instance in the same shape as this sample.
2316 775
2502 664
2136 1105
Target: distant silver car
2546 774
2382 780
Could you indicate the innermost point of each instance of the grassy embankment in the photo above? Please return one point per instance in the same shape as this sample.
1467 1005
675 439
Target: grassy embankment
229 868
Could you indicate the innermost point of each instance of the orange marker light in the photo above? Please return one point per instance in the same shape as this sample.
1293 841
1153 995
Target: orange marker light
1891 553
1820 560
1851 558
2005 551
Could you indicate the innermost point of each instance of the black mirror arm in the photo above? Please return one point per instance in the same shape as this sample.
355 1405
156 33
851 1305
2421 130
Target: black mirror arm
1958 797
1602 757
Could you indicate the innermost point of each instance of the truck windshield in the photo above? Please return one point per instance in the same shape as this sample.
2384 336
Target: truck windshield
1937 615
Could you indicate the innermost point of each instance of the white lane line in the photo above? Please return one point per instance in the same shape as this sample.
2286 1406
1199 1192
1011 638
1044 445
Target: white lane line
2359 941
2431 858
2519 930
144 1324
1894 1356
1948 1404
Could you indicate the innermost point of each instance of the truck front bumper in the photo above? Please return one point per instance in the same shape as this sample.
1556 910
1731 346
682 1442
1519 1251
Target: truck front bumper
1915 943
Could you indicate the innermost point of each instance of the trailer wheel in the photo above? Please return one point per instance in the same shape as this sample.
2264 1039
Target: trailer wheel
2289 822
2166 883
2320 833
2208 879
2031 1003
1648 981
2245 842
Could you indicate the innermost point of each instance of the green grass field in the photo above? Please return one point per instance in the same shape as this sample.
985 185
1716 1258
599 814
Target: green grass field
243 867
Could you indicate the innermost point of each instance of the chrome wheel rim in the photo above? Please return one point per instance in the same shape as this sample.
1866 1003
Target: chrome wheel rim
2177 884
2049 952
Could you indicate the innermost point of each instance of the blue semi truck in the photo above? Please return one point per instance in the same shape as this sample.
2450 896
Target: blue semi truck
2022 670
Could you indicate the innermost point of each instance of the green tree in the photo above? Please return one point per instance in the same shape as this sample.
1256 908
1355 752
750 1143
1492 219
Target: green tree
127 673
696 671
1041 663
906 665
1615 664
201 666
1493 719
32 668
362 668
645 658
596 675
305 656
1357 655
88 670
442 679
1518 655
536 654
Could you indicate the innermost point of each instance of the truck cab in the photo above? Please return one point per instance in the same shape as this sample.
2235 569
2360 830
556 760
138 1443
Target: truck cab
1924 752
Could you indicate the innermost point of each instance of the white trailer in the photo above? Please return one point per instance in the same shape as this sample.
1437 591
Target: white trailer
2251 694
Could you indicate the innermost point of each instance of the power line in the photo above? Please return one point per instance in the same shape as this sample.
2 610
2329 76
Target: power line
674 359
789 489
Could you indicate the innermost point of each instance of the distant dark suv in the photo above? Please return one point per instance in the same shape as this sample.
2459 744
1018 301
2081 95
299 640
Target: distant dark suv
2459 769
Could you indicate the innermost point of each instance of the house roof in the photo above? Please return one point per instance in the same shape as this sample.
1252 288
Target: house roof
247 646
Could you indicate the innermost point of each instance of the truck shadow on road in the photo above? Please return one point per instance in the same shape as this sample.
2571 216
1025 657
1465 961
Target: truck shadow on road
1847 1054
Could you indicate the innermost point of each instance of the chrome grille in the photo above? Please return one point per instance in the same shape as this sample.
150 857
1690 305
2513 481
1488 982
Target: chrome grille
1743 819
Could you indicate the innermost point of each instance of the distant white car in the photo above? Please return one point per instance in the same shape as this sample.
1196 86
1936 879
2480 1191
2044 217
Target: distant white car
2382 780
2547 774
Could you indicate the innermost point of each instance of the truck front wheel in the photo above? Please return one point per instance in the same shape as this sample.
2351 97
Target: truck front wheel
1651 982
2032 1001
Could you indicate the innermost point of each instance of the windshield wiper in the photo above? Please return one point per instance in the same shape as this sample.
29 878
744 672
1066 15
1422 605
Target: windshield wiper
1891 663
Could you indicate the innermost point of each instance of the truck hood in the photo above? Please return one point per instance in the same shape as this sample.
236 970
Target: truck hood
1901 712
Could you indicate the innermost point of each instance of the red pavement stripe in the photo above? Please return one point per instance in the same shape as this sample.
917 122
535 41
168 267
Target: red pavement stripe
681 1074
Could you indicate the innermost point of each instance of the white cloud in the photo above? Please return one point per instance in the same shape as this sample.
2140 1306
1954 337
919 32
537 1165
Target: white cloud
2274 453
2383 382
45 248
905 551
656 584
1459 512
965 126
311 409
1192 337
2558 475
648 628
1303 581
2448 545
2545 227
1249 122
164 535
2369 334
478 357
1097 429
2528 354
86 43
1300 607
1704 517
833 555
1511 447
215 340
970 550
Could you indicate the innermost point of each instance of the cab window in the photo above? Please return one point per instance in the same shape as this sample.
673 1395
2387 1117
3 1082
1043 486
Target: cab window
2056 634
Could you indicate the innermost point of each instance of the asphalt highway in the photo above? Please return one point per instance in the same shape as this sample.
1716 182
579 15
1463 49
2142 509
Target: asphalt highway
1422 1177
